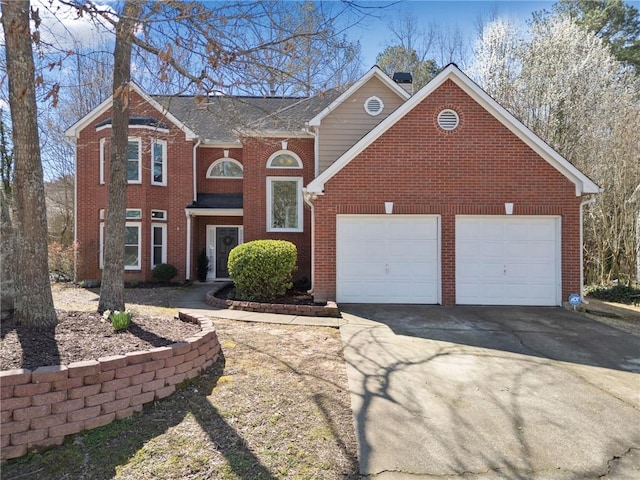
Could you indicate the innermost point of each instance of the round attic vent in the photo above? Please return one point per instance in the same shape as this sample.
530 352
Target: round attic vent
448 120
373 106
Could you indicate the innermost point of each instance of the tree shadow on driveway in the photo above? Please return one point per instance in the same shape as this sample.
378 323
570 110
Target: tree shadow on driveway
451 392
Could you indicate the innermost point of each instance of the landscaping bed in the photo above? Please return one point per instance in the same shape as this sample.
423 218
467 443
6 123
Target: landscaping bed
276 406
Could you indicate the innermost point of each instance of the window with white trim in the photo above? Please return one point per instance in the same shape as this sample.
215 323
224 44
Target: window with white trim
159 162
134 160
132 245
284 204
284 159
134 213
158 244
102 153
158 214
225 168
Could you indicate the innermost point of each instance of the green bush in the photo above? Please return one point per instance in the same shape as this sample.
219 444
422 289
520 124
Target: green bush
261 269
615 293
164 272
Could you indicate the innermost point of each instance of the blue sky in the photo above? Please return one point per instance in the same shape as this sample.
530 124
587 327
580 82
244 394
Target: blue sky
449 14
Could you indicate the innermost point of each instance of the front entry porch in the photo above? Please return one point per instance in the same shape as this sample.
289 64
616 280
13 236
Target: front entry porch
221 239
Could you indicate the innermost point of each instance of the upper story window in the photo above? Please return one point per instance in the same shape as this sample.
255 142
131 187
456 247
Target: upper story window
158 162
134 161
225 168
284 204
102 153
284 159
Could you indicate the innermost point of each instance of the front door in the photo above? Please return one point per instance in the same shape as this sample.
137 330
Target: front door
225 239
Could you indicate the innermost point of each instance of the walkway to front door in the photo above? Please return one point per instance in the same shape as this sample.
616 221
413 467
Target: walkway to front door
220 241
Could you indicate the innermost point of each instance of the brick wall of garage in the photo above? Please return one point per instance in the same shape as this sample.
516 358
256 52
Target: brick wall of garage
472 170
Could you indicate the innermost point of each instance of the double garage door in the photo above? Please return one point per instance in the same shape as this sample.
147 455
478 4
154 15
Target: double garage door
501 260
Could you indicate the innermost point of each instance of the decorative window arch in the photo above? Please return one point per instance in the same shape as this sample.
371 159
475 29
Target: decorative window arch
225 168
284 159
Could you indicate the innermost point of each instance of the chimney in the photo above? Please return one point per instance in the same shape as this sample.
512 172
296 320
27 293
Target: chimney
405 80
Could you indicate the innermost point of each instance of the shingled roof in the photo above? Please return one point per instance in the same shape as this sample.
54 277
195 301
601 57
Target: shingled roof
220 118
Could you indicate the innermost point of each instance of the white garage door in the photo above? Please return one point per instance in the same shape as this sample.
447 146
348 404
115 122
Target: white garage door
387 259
508 260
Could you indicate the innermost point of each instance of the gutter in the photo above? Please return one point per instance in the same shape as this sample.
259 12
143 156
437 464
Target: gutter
195 170
309 198
590 200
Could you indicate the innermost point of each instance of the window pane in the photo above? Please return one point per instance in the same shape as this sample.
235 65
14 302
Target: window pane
134 213
285 160
131 256
158 160
157 235
133 161
284 206
226 169
131 236
157 255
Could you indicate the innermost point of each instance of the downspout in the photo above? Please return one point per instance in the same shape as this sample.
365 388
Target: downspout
188 249
189 218
583 203
195 171
309 199
75 211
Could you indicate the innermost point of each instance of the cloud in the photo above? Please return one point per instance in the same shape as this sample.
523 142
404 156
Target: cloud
64 29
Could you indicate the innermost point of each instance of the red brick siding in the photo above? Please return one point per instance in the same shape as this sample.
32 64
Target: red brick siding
206 156
173 198
474 169
255 155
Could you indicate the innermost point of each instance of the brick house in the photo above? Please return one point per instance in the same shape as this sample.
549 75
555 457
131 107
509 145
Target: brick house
440 197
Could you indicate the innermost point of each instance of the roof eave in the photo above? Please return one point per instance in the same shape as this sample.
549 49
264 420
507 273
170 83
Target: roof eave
584 185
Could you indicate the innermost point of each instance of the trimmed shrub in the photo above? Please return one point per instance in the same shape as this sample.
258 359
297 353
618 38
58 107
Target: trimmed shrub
261 269
164 272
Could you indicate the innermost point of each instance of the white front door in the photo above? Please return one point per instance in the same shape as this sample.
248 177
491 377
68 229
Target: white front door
508 260
388 259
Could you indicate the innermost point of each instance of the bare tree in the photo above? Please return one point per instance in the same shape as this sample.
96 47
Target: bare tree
33 300
564 83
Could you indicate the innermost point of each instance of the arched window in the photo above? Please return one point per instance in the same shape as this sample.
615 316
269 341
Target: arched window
225 168
284 159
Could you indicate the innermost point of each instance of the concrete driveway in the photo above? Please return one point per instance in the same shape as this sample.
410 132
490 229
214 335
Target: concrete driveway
492 392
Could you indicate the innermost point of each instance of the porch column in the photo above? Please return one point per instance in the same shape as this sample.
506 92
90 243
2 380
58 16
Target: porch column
188 249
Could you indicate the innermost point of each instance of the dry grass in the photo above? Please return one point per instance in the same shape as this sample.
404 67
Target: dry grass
275 407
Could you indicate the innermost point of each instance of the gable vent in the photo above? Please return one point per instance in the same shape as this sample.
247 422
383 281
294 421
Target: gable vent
448 120
373 106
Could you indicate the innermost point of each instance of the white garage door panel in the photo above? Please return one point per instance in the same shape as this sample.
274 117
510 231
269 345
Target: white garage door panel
507 260
387 259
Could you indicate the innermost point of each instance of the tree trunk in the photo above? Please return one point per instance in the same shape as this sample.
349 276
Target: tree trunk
112 288
33 301
7 260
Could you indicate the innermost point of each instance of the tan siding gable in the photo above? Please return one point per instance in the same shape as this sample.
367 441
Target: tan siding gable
349 122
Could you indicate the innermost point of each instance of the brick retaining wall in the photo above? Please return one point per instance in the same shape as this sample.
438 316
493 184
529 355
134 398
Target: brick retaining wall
328 310
39 408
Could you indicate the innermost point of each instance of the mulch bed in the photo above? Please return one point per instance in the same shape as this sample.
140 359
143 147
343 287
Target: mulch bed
292 297
84 336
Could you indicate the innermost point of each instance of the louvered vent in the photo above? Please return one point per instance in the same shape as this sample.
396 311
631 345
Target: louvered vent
373 106
448 120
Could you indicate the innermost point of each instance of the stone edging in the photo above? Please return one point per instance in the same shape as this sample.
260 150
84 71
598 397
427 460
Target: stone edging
328 310
39 408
